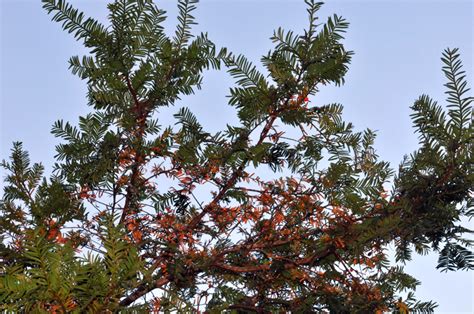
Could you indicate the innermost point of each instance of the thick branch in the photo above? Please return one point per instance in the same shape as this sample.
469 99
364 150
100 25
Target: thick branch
142 290
141 113
242 269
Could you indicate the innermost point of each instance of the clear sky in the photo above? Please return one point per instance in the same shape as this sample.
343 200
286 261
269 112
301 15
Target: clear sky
397 47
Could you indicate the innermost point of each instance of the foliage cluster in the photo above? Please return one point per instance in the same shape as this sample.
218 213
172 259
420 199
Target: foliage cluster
141 216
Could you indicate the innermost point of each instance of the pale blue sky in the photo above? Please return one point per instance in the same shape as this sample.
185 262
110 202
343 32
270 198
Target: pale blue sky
397 47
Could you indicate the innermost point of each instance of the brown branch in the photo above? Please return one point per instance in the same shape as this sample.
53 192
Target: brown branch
132 90
311 260
260 245
142 290
141 113
253 247
242 269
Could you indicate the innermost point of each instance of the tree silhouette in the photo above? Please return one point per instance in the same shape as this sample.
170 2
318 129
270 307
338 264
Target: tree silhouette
141 216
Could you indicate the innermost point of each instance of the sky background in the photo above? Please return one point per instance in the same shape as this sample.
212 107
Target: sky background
397 45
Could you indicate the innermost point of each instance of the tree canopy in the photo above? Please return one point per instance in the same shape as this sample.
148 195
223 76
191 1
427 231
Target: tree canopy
289 210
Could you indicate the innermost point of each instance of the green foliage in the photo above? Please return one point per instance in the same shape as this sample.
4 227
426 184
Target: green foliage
51 277
28 189
459 105
73 21
124 224
436 181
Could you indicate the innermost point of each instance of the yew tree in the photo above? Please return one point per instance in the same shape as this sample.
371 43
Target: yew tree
288 210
